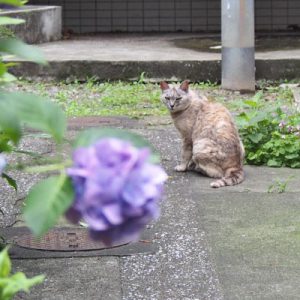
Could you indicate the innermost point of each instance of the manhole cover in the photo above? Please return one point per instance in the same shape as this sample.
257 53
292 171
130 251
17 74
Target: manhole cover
57 239
68 242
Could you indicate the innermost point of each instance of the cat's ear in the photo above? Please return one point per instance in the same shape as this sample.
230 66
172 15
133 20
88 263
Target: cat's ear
164 85
185 86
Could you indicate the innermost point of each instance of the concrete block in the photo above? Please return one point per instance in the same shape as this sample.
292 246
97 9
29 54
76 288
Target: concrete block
151 22
135 14
87 29
183 21
119 22
72 6
135 28
88 22
151 28
42 24
72 14
279 4
151 13
104 6
87 5
104 22
151 5
199 5
167 22
199 21
184 5
294 12
184 28
135 6
167 14
103 28
119 14
183 14
167 5
119 6
214 4
138 22
199 28
103 14
167 28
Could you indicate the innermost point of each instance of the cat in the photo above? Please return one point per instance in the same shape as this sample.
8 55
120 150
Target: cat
211 144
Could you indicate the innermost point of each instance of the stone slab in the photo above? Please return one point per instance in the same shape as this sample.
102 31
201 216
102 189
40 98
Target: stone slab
93 278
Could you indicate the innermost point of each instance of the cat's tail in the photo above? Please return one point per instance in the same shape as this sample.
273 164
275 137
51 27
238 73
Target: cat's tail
232 176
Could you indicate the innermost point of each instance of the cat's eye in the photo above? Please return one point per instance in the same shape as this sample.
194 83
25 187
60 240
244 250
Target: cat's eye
179 98
167 98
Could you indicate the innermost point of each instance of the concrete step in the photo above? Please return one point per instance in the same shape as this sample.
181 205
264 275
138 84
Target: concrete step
126 56
42 23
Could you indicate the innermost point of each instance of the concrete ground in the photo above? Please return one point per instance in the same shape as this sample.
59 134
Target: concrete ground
236 242
126 56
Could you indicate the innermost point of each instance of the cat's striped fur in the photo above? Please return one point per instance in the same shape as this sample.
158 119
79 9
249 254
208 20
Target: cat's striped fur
211 144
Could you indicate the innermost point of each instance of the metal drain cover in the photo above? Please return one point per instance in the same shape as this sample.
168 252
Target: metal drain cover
66 242
59 239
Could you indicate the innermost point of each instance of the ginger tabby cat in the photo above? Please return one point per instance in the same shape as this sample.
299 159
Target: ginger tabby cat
211 144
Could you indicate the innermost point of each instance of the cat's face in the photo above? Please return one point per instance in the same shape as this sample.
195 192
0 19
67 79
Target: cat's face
175 98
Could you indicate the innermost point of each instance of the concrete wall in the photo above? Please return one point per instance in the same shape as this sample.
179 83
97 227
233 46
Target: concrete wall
166 15
42 24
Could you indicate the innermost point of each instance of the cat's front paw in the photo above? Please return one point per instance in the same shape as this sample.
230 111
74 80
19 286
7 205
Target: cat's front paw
180 168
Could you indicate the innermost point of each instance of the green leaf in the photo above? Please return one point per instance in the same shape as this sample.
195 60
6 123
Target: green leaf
3 69
9 122
255 138
7 77
91 136
251 103
12 182
18 282
13 2
292 156
46 202
10 21
21 50
274 163
35 112
5 264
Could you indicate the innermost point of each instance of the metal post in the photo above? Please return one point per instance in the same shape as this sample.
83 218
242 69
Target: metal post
238 62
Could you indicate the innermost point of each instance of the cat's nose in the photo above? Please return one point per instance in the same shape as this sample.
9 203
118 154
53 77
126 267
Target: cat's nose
172 106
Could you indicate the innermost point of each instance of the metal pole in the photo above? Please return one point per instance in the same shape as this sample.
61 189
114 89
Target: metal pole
238 62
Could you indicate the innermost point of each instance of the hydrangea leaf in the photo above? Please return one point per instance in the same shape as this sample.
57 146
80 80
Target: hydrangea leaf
18 282
12 182
91 136
21 50
9 123
13 2
35 112
46 202
5 263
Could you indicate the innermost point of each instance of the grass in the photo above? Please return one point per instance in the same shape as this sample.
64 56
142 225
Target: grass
137 99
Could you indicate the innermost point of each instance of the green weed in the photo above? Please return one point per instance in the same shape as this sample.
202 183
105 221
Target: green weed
279 186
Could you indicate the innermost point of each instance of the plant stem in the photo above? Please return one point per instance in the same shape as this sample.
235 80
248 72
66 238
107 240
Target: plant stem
46 168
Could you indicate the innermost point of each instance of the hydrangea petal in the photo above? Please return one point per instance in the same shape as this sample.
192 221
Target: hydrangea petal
116 190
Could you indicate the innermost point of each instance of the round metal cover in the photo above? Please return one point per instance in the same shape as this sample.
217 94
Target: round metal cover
60 239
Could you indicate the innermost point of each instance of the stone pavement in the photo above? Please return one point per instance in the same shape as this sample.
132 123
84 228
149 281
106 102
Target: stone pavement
236 242
127 56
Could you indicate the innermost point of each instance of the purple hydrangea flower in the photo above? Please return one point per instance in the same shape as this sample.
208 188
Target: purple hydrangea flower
2 163
116 190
